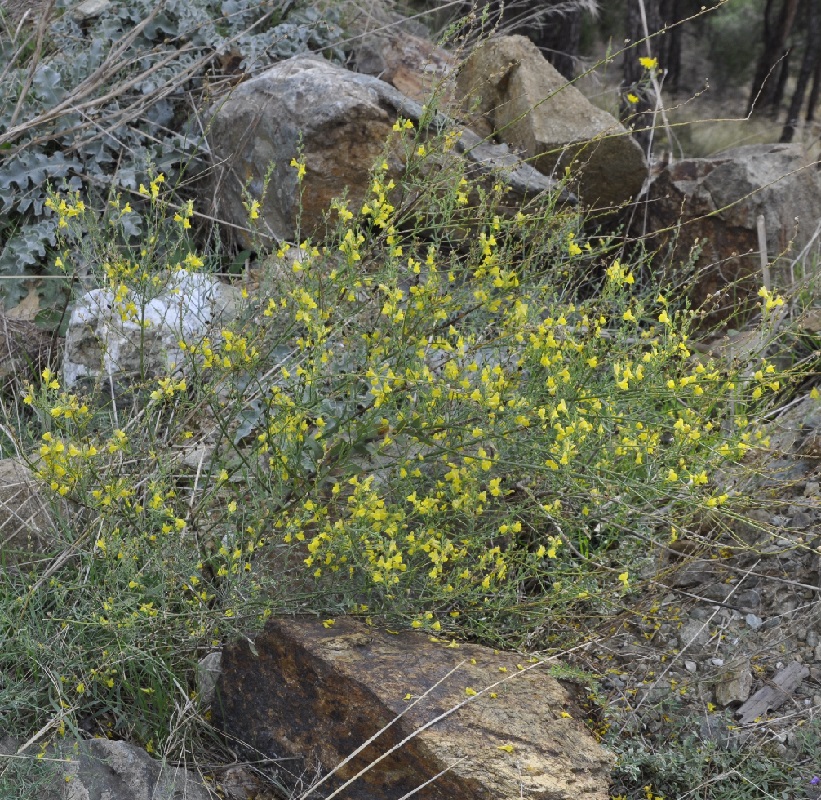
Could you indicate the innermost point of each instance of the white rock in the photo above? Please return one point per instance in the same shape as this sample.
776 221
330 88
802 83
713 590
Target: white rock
101 345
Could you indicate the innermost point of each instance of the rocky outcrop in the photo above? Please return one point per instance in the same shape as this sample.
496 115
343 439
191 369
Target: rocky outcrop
471 721
105 342
340 121
510 90
710 206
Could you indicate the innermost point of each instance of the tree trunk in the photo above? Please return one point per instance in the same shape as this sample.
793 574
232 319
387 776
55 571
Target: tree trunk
774 102
809 67
671 12
639 116
558 35
816 88
766 90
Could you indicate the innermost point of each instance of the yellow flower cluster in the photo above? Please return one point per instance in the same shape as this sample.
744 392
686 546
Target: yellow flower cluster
66 209
434 418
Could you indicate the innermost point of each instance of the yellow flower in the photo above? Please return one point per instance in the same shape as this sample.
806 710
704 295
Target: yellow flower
625 578
299 166
649 63
632 99
508 748
470 692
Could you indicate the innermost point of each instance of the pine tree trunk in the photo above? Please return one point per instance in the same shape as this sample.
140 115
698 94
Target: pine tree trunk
558 36
639 116
816 89
809 67
772 68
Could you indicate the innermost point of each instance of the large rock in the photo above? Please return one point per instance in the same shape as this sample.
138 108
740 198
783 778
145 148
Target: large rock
512 91
486 159
26 523
102 347
414 66
712 205
102 769
341 120
315 694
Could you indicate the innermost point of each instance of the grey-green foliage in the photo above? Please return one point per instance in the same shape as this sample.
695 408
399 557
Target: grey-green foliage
125 112
26 777
678 762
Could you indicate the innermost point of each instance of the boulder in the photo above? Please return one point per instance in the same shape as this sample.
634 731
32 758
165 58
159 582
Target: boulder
511 91
414 66
101 346
102 769
341 121
711 206
466 721
26 522
486 159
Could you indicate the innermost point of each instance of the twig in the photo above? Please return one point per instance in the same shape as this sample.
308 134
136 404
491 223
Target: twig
656 88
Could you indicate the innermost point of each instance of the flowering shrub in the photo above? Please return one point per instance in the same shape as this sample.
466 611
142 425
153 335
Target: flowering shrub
445 413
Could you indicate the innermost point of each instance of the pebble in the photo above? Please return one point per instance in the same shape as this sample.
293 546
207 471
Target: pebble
817 653
802 520
753 622
690 666
812 638
693 634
